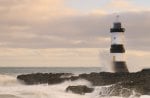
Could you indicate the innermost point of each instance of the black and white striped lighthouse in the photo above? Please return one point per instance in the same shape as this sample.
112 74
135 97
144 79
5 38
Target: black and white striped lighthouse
117 49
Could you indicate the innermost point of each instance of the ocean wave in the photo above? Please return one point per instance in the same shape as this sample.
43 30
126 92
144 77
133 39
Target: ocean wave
8 96
40 91
11 88
8 80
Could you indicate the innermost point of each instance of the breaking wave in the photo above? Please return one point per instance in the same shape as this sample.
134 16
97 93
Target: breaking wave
11 88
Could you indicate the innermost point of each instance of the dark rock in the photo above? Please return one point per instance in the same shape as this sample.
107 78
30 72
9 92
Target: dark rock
73 78
54 80
138 82
80 89
41 78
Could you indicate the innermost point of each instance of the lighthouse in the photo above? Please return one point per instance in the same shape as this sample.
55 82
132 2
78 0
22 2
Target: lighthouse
117 49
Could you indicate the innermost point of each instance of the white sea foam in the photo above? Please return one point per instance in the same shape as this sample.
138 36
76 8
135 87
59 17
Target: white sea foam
11 88
7 80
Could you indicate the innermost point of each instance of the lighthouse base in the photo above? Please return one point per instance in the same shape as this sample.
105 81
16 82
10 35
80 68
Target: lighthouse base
120 66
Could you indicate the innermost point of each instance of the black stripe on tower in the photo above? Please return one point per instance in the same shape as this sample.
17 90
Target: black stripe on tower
117 48
120 66
113 30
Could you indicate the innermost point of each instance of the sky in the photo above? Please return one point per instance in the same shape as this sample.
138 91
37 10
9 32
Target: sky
71 33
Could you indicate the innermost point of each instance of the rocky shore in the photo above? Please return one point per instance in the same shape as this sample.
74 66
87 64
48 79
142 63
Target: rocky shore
117 83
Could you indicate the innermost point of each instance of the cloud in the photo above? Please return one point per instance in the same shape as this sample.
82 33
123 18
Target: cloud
69 57
33 10
119 6
88 31
137 60
31 30
22 25
53 57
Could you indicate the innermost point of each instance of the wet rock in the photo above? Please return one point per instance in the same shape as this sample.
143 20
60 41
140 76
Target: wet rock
138 81
41 78
80 89
54 80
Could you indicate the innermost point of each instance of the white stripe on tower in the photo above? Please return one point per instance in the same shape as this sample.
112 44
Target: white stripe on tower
117 49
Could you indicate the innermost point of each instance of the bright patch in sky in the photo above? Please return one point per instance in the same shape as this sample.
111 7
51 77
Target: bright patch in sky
86 5
109 6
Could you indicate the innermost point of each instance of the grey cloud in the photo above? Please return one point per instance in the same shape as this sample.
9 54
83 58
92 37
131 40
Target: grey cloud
74 32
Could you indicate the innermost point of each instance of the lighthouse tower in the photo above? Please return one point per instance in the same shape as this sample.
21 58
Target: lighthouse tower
117 49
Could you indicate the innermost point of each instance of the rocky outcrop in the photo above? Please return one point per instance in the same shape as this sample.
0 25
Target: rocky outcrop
80 89
106 78
128 82
42 78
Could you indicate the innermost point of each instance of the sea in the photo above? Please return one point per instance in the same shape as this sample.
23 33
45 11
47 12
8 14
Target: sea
10 87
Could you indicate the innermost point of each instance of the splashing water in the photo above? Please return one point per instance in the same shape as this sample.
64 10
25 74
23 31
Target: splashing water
105 58
11 88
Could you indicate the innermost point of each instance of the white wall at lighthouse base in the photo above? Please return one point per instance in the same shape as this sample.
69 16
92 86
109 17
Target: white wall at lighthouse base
118 57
